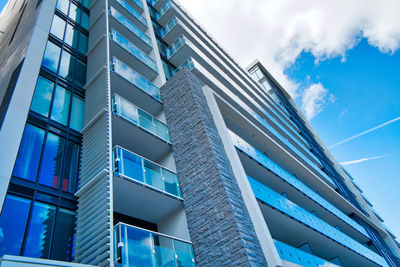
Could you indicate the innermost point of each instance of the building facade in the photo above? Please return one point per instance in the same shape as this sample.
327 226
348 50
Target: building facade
129 137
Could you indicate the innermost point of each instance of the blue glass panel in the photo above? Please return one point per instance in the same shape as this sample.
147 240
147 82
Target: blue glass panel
184 254
62 5
80 73
42 96
50 168
83 43
63 235
29 153
86 3
51 56
139 248
12 224
38 241
77 110
67 65
132 166
85 21
71 36
75 13
71 168
153 176
164 252
61 102
58 27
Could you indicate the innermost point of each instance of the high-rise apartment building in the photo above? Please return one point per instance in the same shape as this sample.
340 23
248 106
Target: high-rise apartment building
129 137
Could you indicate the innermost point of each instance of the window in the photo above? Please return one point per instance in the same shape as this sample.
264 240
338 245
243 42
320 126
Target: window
12 224
51 57
50 169
47 158
42 96
33 228
38 241
62 109
69 67
58 27
28 157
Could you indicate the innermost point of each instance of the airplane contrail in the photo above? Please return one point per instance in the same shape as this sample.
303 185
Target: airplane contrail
365 132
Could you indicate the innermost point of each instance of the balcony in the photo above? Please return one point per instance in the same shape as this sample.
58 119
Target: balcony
139 247
171 30
188 64
140 39
140 118
271 199
142 62
179 50
138 19
299 257
157 4
166 13
271 166
145 172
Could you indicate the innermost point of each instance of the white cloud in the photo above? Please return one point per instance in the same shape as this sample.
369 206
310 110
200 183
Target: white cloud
277 32
351 162
314 99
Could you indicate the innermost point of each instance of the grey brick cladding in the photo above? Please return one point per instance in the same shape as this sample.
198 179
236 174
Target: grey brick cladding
219 224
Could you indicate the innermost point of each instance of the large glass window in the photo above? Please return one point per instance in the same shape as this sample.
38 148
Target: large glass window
61 105
29 152
50 169
36 229
40 231
42 96
62 109
51 56
58 27
12 224
56 162
63 235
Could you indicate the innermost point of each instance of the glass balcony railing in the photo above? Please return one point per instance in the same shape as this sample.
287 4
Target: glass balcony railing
133 50
188 64
135 115
132 11
135 78
145 172
176 45
130 26
135 246
293 181
297 256
169 26
163 10
282 204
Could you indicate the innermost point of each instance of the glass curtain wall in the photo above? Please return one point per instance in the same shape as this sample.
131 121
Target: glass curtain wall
38 216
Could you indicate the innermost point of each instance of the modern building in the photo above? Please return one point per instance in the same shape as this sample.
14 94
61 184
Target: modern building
129 137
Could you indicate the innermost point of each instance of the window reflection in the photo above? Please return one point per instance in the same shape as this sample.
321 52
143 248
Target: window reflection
63 235
39 235
50 169
77 109
28 157
42 96
12 224
51 56
61 105
62 5
58 27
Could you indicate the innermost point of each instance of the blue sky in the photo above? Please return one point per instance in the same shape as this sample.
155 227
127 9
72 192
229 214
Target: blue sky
2 4
366 89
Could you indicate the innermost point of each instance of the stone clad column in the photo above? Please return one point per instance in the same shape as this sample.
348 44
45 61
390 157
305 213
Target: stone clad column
219 223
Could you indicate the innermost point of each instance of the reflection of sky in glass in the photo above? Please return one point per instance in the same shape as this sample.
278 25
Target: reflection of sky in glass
51 56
